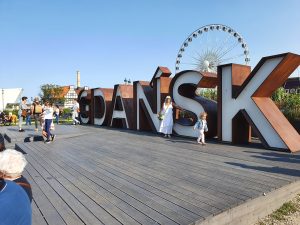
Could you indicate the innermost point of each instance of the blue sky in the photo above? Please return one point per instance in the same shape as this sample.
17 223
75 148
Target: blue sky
47 41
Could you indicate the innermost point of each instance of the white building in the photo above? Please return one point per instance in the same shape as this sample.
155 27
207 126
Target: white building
10 96
69 94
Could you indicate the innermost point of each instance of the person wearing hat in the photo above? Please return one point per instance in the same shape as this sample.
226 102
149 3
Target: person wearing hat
22 112
36 110
166 125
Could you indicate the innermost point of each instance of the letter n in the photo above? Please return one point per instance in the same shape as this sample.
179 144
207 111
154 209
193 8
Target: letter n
147 99
244 98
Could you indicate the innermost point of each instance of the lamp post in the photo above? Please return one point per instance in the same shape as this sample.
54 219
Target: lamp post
127 81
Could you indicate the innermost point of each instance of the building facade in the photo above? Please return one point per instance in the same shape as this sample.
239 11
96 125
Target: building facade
69 93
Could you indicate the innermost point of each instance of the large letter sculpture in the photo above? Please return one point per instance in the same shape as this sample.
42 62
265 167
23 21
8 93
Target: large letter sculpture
85 103
244 98
101 105
148 97
122 107
182 89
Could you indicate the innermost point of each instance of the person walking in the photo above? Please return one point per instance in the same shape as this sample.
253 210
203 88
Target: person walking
166 125
36 110
28 117
75 111
22 113
48 116
56 113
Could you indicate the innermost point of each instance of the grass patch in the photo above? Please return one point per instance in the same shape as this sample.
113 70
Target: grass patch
286 209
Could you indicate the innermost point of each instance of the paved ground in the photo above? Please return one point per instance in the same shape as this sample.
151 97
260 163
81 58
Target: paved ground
94 175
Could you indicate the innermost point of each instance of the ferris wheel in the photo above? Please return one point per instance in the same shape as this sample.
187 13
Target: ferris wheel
209 46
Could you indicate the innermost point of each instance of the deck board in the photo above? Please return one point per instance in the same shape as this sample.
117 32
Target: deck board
97 175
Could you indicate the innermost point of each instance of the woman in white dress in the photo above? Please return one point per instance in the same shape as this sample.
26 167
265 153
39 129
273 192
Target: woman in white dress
166 124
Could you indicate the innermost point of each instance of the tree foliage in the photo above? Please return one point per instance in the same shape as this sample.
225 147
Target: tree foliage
209 93
52 93
289 104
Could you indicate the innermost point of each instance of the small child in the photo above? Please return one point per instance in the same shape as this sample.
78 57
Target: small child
201 125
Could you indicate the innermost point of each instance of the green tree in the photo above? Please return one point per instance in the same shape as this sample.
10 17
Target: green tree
210 93
279 97
52 93
289 104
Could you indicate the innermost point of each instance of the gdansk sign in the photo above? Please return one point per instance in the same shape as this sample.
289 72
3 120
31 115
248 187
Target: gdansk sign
244 103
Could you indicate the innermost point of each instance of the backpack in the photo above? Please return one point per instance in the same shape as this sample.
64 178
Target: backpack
38 109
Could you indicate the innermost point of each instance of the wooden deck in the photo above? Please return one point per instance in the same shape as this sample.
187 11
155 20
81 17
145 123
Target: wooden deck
97 175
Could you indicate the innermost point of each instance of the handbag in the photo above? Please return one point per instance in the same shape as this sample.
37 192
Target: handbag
24 113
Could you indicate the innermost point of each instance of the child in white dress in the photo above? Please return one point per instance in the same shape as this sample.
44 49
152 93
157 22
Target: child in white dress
201 125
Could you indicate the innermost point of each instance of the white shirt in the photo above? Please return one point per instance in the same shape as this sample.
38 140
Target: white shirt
48 113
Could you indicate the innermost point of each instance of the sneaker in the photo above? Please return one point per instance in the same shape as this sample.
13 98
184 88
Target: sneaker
47 141
203 143
21 130
169 136
53 137
166 135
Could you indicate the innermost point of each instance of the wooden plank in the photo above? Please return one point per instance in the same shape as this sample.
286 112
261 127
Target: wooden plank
128 204
172 174
138 178
220 159
43 204
102 213
137 160
140 196
65 212
75 205
37 217
85 161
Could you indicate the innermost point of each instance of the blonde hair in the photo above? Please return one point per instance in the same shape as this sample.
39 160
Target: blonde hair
168 97
203 114
12 163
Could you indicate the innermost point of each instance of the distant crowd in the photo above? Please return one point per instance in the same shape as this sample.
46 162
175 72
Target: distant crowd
15 190
43 116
